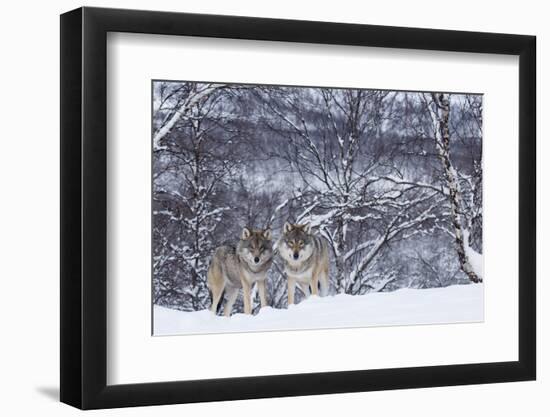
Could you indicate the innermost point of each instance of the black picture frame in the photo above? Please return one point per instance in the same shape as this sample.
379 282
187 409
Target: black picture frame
84 207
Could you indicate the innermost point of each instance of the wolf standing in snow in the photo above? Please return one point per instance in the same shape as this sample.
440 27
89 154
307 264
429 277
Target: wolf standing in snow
235 267
305 256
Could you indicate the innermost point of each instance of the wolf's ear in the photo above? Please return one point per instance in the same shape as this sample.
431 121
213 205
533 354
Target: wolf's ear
267 234
245 233
287 227
307 228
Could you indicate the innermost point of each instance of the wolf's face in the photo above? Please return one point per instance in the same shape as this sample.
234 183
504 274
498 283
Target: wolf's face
255 246
297 242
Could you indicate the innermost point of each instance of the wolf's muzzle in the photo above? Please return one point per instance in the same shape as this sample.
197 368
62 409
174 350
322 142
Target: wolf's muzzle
296 255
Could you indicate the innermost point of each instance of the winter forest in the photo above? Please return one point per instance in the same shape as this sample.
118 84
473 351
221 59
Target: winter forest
392 180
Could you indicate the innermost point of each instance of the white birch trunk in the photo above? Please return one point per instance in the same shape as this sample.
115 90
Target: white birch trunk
439 110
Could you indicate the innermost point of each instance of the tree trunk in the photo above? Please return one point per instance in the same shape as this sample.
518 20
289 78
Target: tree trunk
440 118
341 276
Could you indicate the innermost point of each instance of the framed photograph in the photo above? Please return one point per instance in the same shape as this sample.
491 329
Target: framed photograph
255 208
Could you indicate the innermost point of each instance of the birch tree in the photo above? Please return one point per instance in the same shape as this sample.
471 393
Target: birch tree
192 172
438 105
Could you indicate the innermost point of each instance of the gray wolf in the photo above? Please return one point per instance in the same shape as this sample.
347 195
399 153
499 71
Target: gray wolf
306 260
235 267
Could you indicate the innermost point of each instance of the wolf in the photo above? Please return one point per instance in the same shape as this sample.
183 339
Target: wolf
306 260
240 266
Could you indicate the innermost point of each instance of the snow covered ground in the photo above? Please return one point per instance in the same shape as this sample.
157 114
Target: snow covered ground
454 304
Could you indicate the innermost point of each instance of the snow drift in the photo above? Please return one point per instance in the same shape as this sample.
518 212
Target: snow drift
454 304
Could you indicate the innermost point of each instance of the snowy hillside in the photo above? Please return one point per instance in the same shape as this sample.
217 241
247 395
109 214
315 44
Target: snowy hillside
459 303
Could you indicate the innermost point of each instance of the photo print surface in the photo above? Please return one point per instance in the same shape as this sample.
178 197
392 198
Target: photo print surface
291 207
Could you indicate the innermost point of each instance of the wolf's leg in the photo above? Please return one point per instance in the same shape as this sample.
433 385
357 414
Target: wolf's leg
217 292
246 297
262 291
315 283
232 295
325 285
305 289
324 281
291 289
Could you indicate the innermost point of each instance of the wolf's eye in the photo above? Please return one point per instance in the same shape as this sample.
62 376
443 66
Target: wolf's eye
301 243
